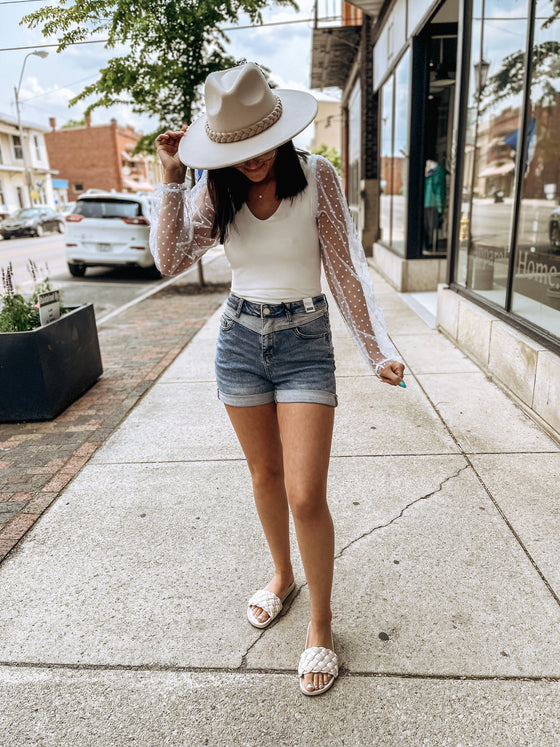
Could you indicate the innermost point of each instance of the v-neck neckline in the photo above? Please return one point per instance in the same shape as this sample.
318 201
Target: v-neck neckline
263 220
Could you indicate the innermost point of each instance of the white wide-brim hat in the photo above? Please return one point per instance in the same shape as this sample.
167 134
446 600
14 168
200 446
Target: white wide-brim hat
244 119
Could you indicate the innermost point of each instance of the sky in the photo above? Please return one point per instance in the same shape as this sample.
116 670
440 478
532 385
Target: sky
48 84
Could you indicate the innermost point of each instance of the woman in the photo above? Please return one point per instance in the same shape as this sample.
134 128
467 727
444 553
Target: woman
279 214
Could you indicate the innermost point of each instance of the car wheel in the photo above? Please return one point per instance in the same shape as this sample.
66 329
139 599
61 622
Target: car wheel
7 236
39 231
76 270
60 227
154 273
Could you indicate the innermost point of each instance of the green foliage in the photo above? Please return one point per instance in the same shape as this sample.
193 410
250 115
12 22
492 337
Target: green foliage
170 48
18 314
545 62
74 123
331 154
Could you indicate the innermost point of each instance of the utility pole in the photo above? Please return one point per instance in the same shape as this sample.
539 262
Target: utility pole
26 171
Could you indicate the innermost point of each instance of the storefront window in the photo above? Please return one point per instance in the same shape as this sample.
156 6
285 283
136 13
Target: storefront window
394 156
400 155
493 122
536 284
386 171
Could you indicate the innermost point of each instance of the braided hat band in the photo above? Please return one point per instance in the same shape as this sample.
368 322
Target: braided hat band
247 132
244 118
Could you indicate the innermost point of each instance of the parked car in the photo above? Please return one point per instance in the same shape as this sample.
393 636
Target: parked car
32 221
108 229
554 229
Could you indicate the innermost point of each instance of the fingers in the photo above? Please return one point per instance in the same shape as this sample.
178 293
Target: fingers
170 138
392 373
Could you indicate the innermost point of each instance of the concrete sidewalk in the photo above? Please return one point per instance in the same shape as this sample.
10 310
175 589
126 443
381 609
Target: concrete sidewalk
122 611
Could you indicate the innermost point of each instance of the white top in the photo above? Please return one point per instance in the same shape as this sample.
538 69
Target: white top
181 233
276 259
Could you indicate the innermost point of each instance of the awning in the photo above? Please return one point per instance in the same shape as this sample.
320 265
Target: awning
333 50
502 170
513 137
138 186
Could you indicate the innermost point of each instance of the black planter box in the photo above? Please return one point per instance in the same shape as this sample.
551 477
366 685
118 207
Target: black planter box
44 370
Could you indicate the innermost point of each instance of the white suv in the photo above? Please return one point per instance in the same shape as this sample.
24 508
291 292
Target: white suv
108 229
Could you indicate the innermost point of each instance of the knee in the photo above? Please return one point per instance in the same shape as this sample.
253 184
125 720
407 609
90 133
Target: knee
308 509
266 475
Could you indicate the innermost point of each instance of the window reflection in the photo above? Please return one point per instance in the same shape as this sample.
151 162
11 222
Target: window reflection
394 157
400 155
536 286
386 171
496 99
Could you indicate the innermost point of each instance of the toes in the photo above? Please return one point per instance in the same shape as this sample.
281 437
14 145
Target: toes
308 682
320 681
259 614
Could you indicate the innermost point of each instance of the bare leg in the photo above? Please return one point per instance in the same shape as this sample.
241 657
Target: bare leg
259 436
306 432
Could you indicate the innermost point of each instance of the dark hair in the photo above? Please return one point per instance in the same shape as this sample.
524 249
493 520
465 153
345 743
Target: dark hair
228 188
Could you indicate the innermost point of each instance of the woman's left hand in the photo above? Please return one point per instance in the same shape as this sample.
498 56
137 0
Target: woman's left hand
392 373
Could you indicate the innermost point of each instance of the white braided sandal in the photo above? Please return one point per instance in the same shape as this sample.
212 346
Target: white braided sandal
269 602
318 660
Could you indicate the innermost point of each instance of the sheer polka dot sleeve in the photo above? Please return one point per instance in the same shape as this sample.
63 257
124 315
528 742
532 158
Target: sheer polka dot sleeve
181 223
346 267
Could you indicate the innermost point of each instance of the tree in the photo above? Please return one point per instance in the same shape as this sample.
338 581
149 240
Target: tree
545 71
172 47
331 154
74 123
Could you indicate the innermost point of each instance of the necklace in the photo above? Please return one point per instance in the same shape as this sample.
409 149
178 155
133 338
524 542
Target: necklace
263 188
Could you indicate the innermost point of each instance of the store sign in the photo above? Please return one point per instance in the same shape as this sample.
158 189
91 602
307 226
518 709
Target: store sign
537 273
49 306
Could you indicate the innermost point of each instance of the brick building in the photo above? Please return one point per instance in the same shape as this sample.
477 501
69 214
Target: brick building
99 157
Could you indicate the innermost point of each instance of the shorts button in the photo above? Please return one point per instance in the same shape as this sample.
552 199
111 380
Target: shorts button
266 311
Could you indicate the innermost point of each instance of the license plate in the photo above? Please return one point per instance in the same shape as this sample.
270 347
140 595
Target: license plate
104 247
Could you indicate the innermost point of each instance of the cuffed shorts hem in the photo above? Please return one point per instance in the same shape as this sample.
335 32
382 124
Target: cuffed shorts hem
311 396
246 400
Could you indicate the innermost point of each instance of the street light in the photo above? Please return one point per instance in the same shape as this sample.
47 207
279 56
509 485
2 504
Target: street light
27 175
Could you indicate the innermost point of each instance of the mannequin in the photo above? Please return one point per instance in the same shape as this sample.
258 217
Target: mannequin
434 202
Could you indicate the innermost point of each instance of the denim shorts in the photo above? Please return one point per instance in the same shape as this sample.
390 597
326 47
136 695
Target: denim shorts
275 353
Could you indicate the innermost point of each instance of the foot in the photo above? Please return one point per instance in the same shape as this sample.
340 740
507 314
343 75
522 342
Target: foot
320 634
279 585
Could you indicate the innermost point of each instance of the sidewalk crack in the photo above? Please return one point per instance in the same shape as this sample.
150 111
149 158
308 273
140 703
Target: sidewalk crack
243 665
402 512
285 609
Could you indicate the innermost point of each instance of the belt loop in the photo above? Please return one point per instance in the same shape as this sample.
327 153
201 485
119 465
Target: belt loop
239 307
287 310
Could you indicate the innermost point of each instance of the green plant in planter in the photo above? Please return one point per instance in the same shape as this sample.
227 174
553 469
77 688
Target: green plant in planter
18 314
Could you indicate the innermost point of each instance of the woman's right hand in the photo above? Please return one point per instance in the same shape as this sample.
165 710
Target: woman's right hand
167 145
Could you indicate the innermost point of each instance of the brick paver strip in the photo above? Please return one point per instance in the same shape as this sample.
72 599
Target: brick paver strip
38 460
